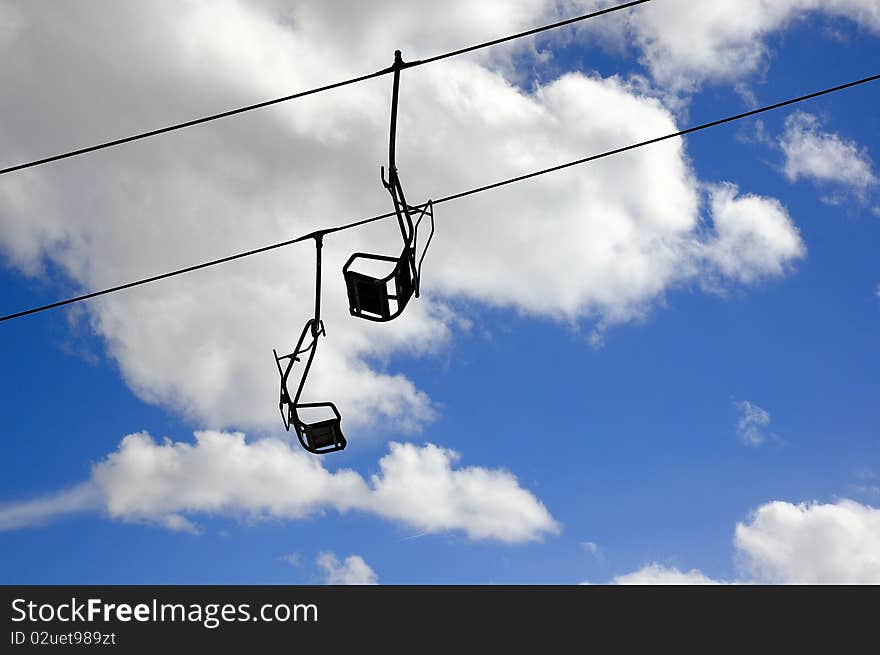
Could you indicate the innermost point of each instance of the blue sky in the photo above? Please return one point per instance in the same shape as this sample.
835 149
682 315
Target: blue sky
630 441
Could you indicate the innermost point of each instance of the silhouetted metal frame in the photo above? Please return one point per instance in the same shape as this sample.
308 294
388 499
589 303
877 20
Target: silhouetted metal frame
313 328
405 269
406 272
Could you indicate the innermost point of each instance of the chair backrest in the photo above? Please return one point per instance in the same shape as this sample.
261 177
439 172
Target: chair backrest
369 296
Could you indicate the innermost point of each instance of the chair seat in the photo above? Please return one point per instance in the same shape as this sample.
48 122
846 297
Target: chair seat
324 436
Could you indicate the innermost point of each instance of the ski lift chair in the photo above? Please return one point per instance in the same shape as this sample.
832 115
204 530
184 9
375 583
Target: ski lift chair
323 435
316 436
383 298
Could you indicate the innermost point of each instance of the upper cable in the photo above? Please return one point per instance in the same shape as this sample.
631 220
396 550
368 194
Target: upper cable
320 89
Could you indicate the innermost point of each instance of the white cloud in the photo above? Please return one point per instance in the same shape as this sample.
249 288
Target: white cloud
293 559
753 423
201 345
824 157
419 486
784 543
657 574
685 43
223 474
353 571
812 543
755 236
81 498
591 548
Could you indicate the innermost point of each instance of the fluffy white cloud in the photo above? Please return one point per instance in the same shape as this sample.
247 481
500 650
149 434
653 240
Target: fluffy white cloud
812 543
352 571
686 43
579 245
420 487
753 423
755 236
821 156
657 574
224 474
784 543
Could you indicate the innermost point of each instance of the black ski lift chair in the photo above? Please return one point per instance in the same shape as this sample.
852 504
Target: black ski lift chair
316 436
384 298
